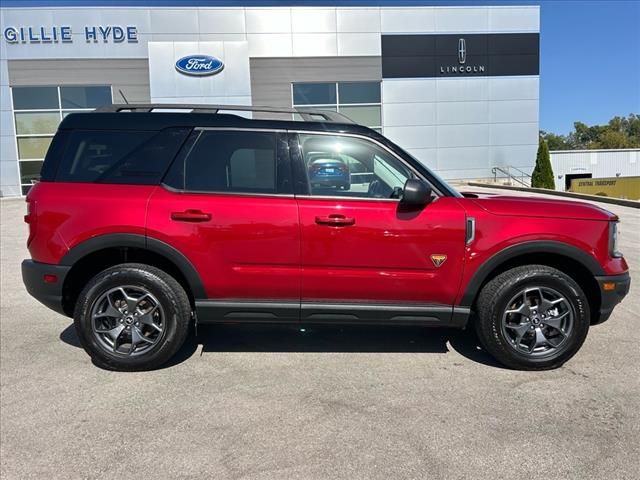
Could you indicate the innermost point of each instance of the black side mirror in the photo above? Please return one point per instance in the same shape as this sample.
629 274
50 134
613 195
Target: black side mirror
416 193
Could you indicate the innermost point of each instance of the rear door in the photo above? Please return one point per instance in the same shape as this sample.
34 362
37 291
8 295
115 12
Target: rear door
227 205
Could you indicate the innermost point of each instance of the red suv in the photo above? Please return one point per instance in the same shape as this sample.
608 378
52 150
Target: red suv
145 222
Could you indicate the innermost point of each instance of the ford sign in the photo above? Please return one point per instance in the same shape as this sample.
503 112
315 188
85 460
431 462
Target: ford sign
199 65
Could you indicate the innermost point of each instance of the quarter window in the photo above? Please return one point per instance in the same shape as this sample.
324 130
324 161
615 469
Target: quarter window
351 167
127 157
240 162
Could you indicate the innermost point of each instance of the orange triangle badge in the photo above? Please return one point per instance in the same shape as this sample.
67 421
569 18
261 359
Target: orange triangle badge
438 259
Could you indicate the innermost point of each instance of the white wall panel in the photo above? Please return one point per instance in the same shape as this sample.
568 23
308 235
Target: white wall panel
359 44
221 21
409 91
315 44
462 89
453 162
412 137
161 57
8 153
513 133
462 135
514 88
452 113
268 20
523 156
514 19
313 20
174 21
398 114
236 75
513 111
408 20
461 19
358 20
270 45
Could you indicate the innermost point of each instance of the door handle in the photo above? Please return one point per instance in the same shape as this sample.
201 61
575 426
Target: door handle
336 220
191 216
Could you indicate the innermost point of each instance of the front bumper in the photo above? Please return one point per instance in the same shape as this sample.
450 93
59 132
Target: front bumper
613 289
47 293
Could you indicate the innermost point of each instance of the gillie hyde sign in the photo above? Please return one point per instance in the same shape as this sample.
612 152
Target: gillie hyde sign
64 34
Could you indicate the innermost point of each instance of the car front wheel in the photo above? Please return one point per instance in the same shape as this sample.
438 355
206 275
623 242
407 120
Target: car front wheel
132 317
532 317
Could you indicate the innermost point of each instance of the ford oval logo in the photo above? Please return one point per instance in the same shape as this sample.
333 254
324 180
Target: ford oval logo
199 65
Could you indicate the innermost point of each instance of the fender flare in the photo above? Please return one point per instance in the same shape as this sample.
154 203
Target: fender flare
557 248
159 247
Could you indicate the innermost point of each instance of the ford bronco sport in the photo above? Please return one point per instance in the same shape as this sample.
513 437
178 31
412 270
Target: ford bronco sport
145 222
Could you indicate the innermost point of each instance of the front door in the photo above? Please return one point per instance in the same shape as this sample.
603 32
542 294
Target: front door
360 247
227 205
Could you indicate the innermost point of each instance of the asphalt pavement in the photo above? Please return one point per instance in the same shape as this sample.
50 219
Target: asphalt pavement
323 403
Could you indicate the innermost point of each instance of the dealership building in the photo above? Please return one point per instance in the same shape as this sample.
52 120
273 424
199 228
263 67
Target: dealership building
456 86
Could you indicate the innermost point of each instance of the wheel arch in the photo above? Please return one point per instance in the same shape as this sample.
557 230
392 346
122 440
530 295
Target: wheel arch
94 255
569 259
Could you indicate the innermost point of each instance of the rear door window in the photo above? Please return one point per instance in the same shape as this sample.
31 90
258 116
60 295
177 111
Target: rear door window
234 162
114 156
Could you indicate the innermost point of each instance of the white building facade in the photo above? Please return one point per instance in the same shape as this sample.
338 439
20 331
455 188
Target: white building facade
568 165
457 87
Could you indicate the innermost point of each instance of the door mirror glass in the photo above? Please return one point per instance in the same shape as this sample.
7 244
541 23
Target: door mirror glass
416 193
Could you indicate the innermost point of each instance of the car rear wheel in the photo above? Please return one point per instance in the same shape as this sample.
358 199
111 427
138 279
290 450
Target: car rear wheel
532 317
132 317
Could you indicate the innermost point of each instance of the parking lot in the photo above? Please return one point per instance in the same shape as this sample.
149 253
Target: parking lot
280 402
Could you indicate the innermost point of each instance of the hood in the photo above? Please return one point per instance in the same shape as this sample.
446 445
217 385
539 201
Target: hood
533 206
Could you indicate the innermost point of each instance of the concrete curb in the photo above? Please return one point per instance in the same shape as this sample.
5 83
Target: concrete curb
578 196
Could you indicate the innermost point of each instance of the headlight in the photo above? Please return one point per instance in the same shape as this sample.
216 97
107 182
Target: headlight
614 251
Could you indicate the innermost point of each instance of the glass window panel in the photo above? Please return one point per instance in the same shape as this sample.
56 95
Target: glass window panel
33 147
35 98
351 167
369 116
37 122
247 164
85 97
314 93
30 171
359 92
25 189
126 157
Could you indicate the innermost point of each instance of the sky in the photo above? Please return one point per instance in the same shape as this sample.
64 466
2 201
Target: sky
590 62
589 51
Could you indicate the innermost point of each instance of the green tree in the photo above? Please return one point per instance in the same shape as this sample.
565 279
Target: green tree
619 132
557 142
542 176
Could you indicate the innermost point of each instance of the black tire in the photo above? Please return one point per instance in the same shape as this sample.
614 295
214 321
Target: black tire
171 297
493 302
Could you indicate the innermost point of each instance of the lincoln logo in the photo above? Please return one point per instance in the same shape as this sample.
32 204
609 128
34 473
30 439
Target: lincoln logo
462 68
462 51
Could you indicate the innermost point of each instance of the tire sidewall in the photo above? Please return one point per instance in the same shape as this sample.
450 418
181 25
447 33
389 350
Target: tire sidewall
114 277
567 288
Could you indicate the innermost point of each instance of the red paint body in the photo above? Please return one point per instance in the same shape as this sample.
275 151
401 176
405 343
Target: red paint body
288 248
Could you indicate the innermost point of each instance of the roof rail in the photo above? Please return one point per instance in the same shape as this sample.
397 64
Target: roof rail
307 114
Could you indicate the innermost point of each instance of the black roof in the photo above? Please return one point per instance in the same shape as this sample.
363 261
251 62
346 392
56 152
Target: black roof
161 120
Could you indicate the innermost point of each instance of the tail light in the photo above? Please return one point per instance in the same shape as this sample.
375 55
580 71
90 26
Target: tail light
30 218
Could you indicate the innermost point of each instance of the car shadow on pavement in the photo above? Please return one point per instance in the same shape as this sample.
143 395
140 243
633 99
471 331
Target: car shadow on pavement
262 338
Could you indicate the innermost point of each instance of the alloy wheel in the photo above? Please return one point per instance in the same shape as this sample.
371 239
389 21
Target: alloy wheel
127 320
537 321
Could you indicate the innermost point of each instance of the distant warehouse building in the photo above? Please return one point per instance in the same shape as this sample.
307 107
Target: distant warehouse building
614 169
457 86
